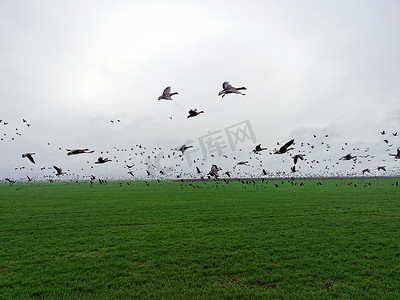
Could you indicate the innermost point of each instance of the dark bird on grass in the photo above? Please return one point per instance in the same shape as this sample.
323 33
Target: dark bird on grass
285 148
29 156
102 160
184 148
166 95
347 157
58 170
297 156
258 148
381 168
228 89
397 155
78 151
194 112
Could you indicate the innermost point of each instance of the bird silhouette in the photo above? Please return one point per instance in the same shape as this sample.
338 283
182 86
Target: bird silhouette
194 113
59 171
285 148
102 160
258 148
78 151
297 156
214 171
184 148
29 156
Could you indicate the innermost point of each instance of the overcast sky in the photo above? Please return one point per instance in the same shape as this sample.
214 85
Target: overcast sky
310 67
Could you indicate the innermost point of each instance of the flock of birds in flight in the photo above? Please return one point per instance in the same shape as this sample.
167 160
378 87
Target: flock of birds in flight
214 171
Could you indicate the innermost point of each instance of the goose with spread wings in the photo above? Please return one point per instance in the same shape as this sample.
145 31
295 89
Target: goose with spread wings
214 171
194 113
78 151
166 95
228 89
58 170
29 156
102 160
285 148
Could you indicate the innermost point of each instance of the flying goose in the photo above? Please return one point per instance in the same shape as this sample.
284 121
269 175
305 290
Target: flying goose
228 89
102 160
347 157
259 149
297 156
166 95
29 156
285 148
184 148
194 112
78 151
214 171
59 171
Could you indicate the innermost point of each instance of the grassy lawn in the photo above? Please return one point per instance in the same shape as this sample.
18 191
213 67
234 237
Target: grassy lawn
201 240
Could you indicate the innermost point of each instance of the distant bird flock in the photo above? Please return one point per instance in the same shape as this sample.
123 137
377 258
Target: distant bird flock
149 157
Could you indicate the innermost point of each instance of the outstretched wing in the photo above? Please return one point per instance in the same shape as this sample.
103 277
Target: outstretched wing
30 157
226 85
167 90
287 145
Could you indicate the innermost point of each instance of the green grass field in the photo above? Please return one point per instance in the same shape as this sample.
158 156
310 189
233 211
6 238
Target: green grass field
201 240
